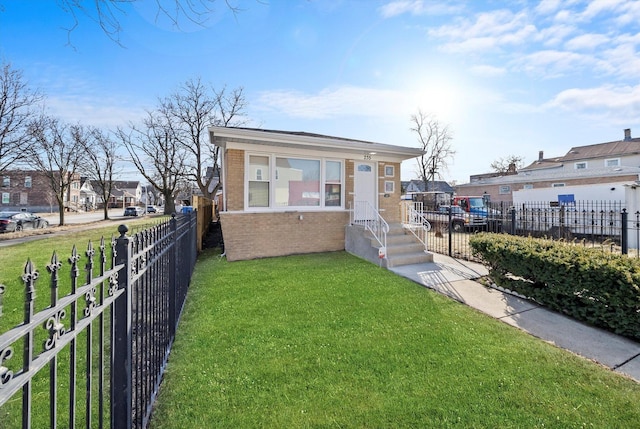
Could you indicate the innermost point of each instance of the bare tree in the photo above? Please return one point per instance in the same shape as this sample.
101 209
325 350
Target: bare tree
155 152
57 152
17 104
435 139
101 158
192 109
106 13
509 164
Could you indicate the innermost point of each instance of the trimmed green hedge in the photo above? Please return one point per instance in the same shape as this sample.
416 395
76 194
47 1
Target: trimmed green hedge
590 285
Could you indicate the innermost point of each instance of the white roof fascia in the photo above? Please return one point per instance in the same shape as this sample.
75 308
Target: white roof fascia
324 144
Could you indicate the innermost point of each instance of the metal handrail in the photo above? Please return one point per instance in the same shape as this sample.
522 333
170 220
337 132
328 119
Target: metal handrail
366 215
414 221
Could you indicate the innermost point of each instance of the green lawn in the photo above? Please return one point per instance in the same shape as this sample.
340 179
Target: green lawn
329 340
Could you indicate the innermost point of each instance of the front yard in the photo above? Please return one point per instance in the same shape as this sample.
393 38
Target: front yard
329 340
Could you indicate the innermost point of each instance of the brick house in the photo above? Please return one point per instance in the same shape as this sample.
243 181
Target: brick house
30 190
611 162
290 192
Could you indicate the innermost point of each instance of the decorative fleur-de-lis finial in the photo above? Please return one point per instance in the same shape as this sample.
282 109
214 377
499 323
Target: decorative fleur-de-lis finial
74 255
90 251
55 263
29 277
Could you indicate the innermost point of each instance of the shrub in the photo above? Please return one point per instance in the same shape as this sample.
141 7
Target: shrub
588 284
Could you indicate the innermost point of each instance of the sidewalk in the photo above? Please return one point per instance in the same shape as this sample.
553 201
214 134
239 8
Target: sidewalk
455 278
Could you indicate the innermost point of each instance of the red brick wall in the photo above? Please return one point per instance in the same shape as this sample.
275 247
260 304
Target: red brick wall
38 196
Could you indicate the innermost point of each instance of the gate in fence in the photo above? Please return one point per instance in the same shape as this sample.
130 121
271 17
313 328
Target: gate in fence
606 225
105 342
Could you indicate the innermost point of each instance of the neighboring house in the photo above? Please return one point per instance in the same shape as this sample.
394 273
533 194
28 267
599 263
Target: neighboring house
131 187
123 194
417 185
291 192
150 196
30 190
611 162
88 197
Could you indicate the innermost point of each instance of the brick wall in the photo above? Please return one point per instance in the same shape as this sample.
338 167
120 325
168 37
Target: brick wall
389 202
39 197
349 168
261 235
234 184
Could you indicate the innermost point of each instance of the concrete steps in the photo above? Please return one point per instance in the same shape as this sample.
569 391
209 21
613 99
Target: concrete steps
403 248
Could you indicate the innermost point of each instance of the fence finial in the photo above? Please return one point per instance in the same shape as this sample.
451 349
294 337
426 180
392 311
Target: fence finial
123 229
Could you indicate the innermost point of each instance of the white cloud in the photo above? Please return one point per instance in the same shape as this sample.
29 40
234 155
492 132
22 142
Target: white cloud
555 35
586 42
546 7
619 104
623 60
597 7
99 112
553 63
488 71
418 7
486 31
334 102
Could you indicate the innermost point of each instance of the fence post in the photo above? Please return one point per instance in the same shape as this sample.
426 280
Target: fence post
625 232
513 221
121 350
173 276
450 229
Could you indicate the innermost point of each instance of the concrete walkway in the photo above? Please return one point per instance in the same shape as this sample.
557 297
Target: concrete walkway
455 278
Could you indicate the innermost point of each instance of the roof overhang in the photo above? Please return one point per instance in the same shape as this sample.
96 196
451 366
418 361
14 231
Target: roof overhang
243 138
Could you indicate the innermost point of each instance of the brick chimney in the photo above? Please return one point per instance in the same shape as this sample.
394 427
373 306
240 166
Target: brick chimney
627 134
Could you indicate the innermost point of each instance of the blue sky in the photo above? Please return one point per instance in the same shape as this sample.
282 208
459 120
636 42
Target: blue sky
508 77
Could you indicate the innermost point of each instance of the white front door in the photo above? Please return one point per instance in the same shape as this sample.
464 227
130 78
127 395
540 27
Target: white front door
364 189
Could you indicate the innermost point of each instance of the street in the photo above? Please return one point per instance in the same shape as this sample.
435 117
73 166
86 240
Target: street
88 220
74 218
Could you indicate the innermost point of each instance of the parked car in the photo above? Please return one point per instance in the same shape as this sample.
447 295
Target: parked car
133 211
460 220
18 221
151 209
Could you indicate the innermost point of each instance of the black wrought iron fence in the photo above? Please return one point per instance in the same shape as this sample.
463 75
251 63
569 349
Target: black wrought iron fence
606 225
106 342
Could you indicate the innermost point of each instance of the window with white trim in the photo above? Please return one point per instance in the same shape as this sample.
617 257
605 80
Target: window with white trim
6 181
258 186
505 189
27 181
527 186
5 198
333 184
389 170
580 165
389 187
613 162
280 181
298 182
